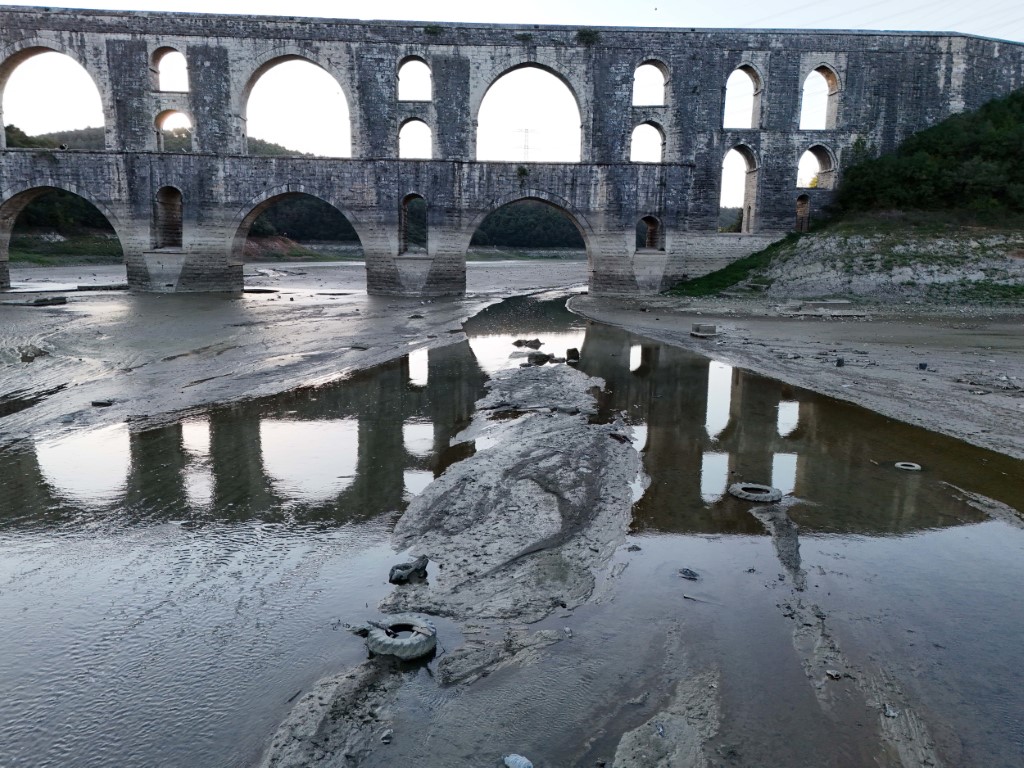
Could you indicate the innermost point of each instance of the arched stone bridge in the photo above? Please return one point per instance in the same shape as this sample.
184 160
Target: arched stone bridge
182 218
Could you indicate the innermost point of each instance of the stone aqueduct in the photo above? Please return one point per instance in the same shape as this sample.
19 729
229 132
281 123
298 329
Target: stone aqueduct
883 87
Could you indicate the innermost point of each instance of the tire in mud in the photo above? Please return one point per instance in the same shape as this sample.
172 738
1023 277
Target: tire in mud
908 466
755 492
420 640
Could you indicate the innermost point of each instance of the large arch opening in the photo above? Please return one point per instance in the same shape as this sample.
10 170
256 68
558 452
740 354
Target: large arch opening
51 101
647 144
529 115
47 226
528 228
295 227
414 81
816 169
169 71
415 141
295 107
819 105
738 202
742 99
649 82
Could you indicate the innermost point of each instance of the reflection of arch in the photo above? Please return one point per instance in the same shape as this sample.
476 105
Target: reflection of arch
415 80
407 217
831 111
582 106
162 118
748 221
167 65
652 78
16 54
14 200
647 143
803 213
167 218
560 203
653 234
243 220
412 136
282 56
757 84
826 175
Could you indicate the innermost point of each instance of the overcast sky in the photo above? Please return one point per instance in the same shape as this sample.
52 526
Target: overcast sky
280 103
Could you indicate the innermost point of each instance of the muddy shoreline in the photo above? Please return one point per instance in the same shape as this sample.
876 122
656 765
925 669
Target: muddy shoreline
533 529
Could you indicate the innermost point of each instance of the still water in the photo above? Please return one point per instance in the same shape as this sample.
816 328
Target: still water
165 593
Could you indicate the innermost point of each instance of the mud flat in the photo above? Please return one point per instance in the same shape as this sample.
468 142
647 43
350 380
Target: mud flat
958 371
149 357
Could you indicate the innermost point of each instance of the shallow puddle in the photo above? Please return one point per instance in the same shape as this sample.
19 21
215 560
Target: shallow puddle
166 593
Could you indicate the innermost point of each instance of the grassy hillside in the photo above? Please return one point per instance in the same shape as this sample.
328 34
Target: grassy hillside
941 217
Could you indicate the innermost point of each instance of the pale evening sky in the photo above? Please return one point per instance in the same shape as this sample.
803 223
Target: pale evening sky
312 100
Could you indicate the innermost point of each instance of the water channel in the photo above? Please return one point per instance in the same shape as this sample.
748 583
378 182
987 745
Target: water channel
166 593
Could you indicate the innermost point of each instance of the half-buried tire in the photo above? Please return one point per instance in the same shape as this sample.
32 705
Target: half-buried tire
404 635
755 492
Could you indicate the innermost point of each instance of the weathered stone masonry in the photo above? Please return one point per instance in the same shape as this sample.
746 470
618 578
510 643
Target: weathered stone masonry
885 86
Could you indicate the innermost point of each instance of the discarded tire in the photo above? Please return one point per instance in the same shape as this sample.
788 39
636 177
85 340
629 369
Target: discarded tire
404 635
908 466
755 492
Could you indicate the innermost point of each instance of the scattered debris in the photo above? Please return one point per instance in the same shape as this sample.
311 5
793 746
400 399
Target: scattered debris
703 330
689 575
907 466
531 343
102 403
517 761
403 572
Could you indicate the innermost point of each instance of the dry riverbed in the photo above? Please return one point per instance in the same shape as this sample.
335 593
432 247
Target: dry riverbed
531 532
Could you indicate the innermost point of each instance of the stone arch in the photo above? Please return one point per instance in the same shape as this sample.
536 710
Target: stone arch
645 151
280 56
649 65
650 234
168 218
583 105
13 201
242 221
749 208
405 135
834 88
555 201
827 167
158 127
413 91
15 54
404 219
803 213
757 81
157 73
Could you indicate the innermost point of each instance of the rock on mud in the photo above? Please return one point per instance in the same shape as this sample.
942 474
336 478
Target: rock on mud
520 528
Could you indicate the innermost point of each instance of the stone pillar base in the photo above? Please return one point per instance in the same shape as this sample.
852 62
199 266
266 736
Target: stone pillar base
164 268
5 275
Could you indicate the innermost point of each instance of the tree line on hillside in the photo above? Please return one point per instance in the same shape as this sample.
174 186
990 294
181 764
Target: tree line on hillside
973 162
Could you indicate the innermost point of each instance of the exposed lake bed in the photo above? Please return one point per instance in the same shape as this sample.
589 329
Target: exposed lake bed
201 588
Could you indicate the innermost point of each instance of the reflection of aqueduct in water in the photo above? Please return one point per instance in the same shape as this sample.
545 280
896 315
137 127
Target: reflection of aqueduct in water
387 425
182 218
